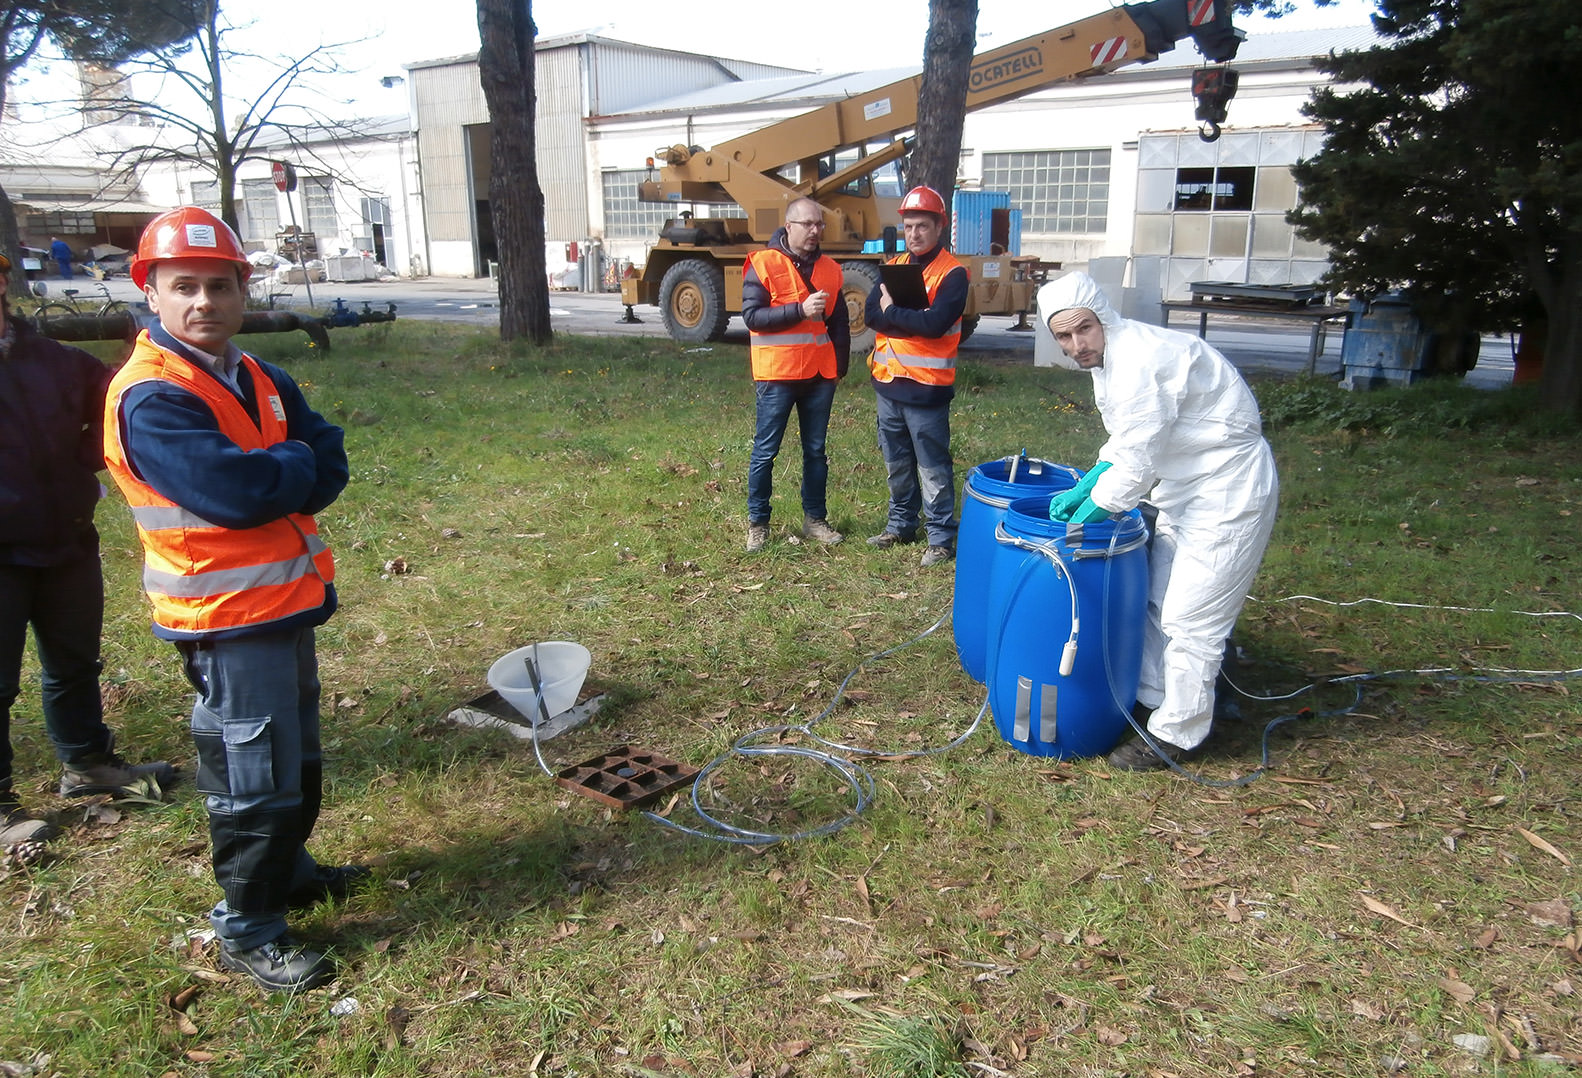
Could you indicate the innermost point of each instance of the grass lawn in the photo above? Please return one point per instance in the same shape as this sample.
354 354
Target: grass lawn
1398 893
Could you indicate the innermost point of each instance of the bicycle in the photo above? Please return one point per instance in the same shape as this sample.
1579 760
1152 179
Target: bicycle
69 307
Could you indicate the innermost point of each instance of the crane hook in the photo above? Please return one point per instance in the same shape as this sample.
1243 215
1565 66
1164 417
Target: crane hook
1208 132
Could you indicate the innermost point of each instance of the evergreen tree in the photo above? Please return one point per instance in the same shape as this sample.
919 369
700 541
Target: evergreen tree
103 31
1453 172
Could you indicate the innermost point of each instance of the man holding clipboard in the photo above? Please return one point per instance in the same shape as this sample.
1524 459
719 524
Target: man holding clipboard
917 312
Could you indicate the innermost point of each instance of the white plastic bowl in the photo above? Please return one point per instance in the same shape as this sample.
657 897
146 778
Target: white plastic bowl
562 666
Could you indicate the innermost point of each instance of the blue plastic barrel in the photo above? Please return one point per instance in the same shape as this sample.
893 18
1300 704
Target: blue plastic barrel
989 490
1038 565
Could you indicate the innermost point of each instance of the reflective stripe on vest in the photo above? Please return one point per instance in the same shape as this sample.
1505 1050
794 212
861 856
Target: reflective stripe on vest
929 360
200 576
802 350
227 581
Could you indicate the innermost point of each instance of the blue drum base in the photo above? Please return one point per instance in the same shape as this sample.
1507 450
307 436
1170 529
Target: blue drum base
1048 580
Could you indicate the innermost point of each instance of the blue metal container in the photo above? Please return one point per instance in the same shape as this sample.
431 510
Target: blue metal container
971 220
1067 605
1385 343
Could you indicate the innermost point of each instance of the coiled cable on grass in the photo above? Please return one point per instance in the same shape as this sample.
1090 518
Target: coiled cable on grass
755 743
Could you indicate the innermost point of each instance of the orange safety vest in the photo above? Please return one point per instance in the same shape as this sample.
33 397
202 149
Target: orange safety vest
803 350
202 577
929 360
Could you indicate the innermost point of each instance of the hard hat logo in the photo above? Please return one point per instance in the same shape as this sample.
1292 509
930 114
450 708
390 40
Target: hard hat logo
201 236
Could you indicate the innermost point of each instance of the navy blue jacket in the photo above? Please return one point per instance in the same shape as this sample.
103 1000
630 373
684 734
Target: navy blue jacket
51 413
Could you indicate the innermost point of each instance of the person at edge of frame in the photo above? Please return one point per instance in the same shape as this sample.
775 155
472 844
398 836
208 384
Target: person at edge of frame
51 408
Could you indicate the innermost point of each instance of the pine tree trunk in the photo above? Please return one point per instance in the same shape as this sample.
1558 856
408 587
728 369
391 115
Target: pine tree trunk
11 244
516 201
1560 385
942 102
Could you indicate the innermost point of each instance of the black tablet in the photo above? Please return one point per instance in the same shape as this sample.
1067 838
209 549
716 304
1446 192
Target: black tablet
905 282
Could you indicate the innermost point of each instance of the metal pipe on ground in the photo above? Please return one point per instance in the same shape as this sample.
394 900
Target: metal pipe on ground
124 327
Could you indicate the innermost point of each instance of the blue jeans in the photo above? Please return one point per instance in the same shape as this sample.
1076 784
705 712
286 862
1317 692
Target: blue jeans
813 399
915 443
256 727
65 606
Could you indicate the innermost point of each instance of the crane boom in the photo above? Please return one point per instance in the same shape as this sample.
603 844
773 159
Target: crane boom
747 170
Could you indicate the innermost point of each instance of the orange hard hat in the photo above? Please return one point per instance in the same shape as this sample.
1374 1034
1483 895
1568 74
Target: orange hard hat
922 200
187 232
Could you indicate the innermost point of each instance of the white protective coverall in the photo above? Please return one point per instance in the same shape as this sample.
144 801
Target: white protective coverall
1183 433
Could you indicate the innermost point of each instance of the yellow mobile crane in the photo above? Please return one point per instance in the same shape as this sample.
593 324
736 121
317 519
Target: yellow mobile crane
694 272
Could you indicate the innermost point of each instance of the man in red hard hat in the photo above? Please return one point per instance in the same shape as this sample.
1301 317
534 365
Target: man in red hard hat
224 464
913 367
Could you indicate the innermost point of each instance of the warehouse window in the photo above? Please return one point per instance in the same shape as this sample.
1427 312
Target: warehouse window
627 218
70 224
260 210
1056 190
624 216
206 193
318 205
1205 189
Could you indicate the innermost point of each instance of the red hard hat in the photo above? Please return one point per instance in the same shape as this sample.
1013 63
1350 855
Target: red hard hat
187 232
922 200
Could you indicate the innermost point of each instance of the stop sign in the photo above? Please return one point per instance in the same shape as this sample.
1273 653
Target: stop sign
284 175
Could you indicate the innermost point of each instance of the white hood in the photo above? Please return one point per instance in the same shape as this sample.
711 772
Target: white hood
1073 289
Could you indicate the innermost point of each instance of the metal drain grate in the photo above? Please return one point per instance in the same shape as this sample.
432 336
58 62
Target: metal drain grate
626 777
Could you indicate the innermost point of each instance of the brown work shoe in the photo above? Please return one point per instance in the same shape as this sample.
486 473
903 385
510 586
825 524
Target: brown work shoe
818 529
887 539
1141 755
108 773
757 537
936 554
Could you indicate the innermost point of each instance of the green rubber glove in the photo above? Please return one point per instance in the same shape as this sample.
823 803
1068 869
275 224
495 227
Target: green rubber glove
1067 502
1090 512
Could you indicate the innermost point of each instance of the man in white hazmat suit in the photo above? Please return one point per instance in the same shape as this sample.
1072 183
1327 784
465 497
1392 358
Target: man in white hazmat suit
1183 433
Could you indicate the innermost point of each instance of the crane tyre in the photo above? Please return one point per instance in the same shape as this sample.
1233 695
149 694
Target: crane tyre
692 301
857 280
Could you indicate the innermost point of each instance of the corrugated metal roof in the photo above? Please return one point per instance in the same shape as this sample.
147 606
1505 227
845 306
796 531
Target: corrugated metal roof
386 128
806 89
48 205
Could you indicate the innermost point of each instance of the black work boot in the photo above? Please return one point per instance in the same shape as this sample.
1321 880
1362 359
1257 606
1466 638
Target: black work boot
281 965
1143 754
